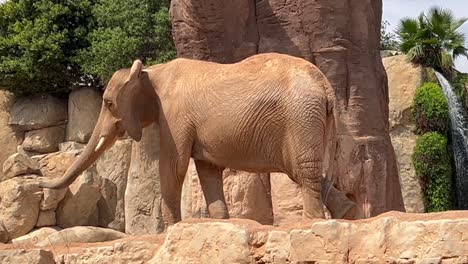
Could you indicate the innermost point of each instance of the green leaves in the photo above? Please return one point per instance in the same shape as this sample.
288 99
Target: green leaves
430 109
432 164
38 42
125 31
50 47
432 39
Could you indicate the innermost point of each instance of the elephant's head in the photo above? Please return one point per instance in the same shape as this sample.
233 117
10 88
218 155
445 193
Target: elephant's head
128 105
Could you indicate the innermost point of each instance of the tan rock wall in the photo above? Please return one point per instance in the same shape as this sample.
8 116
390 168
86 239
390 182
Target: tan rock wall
9 137
403 80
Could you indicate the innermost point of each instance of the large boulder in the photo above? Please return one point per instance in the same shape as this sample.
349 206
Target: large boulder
83 112
36 256
54 166
36 236
9 137
343 44
38 112
46 218
44 140
18 164
53 236
187 243
79 206
403 80
112 168
19 204
142 195
127 250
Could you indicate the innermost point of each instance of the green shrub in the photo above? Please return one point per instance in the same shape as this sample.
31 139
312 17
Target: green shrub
432 164
430 109
39 41
127 30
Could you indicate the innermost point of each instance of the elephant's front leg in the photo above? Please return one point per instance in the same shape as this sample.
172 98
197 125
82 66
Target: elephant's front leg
172 174
211 180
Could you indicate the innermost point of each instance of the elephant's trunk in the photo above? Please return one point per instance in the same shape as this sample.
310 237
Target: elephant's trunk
95 147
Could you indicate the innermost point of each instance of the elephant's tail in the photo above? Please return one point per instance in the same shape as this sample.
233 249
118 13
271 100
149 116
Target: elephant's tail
331 135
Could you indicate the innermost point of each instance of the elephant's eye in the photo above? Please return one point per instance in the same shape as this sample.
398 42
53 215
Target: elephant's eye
108 103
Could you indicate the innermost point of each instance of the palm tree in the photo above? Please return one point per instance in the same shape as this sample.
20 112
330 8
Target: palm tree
432 39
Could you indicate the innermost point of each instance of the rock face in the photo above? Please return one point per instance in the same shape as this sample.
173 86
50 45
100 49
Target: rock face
19 205
342 39
403 80
44 140
112 167
18 164
142 195
230 247
46 218
83 112
38 112
36 236
9 137
79 206
54 166
286 199
80 234
37 256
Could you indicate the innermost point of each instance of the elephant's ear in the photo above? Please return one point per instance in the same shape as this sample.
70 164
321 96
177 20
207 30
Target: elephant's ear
130 115
135 71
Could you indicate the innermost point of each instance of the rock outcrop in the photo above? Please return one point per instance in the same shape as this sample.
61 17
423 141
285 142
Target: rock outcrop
18 164
38 112
9 137
389 238
79 206
142 195
83 111
403 80
19 205
44 140
112 168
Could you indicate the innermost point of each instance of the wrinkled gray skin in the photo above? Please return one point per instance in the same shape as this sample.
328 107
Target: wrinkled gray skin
267 113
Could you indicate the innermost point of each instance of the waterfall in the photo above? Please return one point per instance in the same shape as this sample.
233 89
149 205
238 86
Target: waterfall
459 132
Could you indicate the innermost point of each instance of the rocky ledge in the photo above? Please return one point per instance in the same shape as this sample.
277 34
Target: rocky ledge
389 238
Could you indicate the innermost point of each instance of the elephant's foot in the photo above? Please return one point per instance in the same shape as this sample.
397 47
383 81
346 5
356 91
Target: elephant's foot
218 210
339 205
171 215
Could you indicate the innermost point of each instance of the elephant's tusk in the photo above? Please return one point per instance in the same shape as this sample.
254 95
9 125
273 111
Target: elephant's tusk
99 145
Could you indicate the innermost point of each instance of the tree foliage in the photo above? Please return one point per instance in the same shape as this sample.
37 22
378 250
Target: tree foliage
125 31
432 164
430 109
432 39
388 40
39 42
51 46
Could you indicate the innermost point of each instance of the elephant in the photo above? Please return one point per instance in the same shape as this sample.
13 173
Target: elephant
270 112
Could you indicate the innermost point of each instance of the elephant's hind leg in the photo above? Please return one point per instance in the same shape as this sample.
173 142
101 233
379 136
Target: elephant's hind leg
211 180
308 175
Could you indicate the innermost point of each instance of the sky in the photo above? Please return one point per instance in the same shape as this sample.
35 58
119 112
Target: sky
394 10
